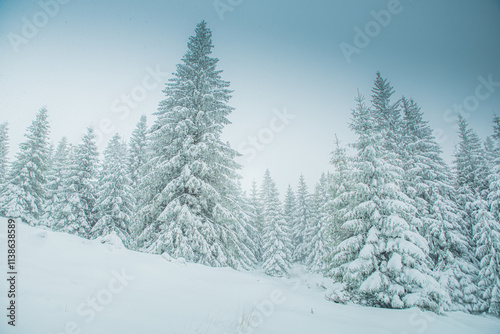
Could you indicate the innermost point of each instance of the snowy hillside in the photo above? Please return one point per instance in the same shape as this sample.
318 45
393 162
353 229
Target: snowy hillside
68 284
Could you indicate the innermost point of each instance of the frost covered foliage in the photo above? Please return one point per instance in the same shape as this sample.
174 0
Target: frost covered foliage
289 207
487 240
337 185
383 261
24 194
301 223
247 230
137 152
115 200
75 210
318 229
477 183
276 239
191 175
429 184
56 180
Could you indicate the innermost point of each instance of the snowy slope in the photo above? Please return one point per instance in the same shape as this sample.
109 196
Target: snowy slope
72 285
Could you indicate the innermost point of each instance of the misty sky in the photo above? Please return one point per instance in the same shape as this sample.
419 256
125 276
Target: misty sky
105 63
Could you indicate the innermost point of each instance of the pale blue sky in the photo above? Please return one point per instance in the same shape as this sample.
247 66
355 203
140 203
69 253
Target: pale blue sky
277 55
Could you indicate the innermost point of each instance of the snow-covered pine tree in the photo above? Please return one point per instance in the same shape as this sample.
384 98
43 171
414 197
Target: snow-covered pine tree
386 115
56 180
429 184
491 152
75 212
496 127
246 229
486 228
88 164
289 207
318 230
115 200
24 195
265 187
470 161
4 151
339 183
192 174
487 239
258 219
472 175
277 253
138 152
384 261
300 238
494 178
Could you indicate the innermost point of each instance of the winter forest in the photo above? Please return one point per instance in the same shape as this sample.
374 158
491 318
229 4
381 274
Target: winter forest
392 226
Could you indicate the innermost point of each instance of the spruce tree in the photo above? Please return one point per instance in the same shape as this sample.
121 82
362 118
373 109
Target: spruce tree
138 152
429 184
247 228
386 115
192 174
384 261
487 228
258 219
472 184
487 239
76 209
56 180
276 238
494 177
25 193
470 163
318 231
289 207
301 224
339 184
115 201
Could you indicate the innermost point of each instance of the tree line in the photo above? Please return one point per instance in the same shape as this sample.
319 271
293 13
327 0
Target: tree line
392 224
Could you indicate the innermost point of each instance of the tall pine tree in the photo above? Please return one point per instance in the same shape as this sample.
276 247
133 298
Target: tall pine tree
25 193
115 200
386 115
384 261
429 184
289 207
138 152
258 219
192 174
318 230
300 237
486 219
276 238
76 209
56 180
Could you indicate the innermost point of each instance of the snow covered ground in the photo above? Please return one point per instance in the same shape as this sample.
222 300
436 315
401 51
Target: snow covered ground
71 285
